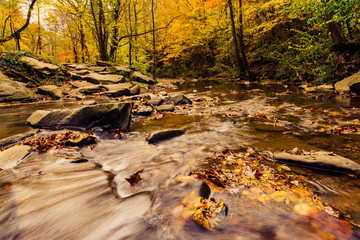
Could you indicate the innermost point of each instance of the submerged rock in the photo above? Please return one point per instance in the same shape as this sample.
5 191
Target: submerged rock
351 83
164 135
15 91
113 115
321 159
12 156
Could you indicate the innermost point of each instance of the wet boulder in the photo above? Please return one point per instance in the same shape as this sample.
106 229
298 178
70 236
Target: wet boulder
180 99
139 77
112 115
164 135
51 91
319 159
351 83
15 91
12 156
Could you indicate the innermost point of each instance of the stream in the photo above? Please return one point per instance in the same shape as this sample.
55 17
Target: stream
50 196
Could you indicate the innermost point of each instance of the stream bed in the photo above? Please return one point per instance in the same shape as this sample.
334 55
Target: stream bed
51 196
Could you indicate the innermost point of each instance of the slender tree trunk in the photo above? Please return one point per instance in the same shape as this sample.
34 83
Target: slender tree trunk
115 32
130 35
82 39
236 48
17 32
241 40
154 40
39 47
135 29
100 28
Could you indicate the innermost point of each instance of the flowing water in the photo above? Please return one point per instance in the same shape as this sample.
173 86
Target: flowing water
49 196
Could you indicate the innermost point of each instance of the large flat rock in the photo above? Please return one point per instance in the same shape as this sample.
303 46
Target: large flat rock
15 91
140 77
320 159
12 156
51 90
349 83
39 65
114 115
97 78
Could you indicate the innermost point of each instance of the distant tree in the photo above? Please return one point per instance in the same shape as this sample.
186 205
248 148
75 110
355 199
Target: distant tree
16 34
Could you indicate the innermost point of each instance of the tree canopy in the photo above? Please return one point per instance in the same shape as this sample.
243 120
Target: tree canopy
274 39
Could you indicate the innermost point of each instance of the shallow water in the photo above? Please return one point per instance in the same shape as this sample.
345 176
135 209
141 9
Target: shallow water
47 196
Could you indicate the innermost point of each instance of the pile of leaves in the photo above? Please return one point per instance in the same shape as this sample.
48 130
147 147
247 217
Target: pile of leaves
246 175
61 140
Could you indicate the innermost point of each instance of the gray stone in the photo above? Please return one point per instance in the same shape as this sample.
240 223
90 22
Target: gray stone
3 76
97 69
80 84
320 159
89 103
155 101
17 138
104 63
39 65
143 110
348 83
137 97
180 99
134 90
82 72
118 90
164 135
12 156
114 115
92 89
165 108
81 67
139 77
97 78
124 70
15 91
51 90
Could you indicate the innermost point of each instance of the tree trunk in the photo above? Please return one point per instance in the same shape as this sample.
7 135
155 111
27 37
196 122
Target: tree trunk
241 41
17 32
237 53
130 35
39 47
115 32
100 28
154 40
336 32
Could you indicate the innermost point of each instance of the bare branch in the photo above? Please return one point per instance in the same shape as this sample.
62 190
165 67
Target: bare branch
17 32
